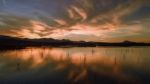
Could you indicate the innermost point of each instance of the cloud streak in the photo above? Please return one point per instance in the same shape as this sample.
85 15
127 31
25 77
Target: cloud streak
100 19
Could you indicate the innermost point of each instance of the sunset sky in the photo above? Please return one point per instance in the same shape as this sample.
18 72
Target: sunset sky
87 20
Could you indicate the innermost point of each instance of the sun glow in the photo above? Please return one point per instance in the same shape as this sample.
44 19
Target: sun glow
79 20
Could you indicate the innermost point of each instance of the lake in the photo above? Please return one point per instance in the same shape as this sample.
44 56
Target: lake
76 65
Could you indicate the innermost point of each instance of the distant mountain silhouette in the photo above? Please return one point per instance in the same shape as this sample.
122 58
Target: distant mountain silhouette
14 42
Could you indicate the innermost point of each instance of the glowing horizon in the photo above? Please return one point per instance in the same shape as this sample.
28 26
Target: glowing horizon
87 20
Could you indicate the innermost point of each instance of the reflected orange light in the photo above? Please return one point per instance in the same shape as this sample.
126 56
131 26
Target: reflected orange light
40 56
104 61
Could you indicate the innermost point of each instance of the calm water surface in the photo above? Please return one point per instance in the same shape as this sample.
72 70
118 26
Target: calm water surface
130 65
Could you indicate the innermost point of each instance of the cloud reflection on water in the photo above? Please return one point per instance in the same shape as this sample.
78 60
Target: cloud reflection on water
80 63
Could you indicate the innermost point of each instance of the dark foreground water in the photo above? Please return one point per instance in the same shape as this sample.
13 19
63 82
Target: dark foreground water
120 65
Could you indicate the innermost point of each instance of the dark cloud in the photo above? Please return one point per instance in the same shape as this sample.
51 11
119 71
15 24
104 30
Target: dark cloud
61 18
8 22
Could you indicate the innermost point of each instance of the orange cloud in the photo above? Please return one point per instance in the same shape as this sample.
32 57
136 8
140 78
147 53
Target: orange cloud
60 21
84 19
76 13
